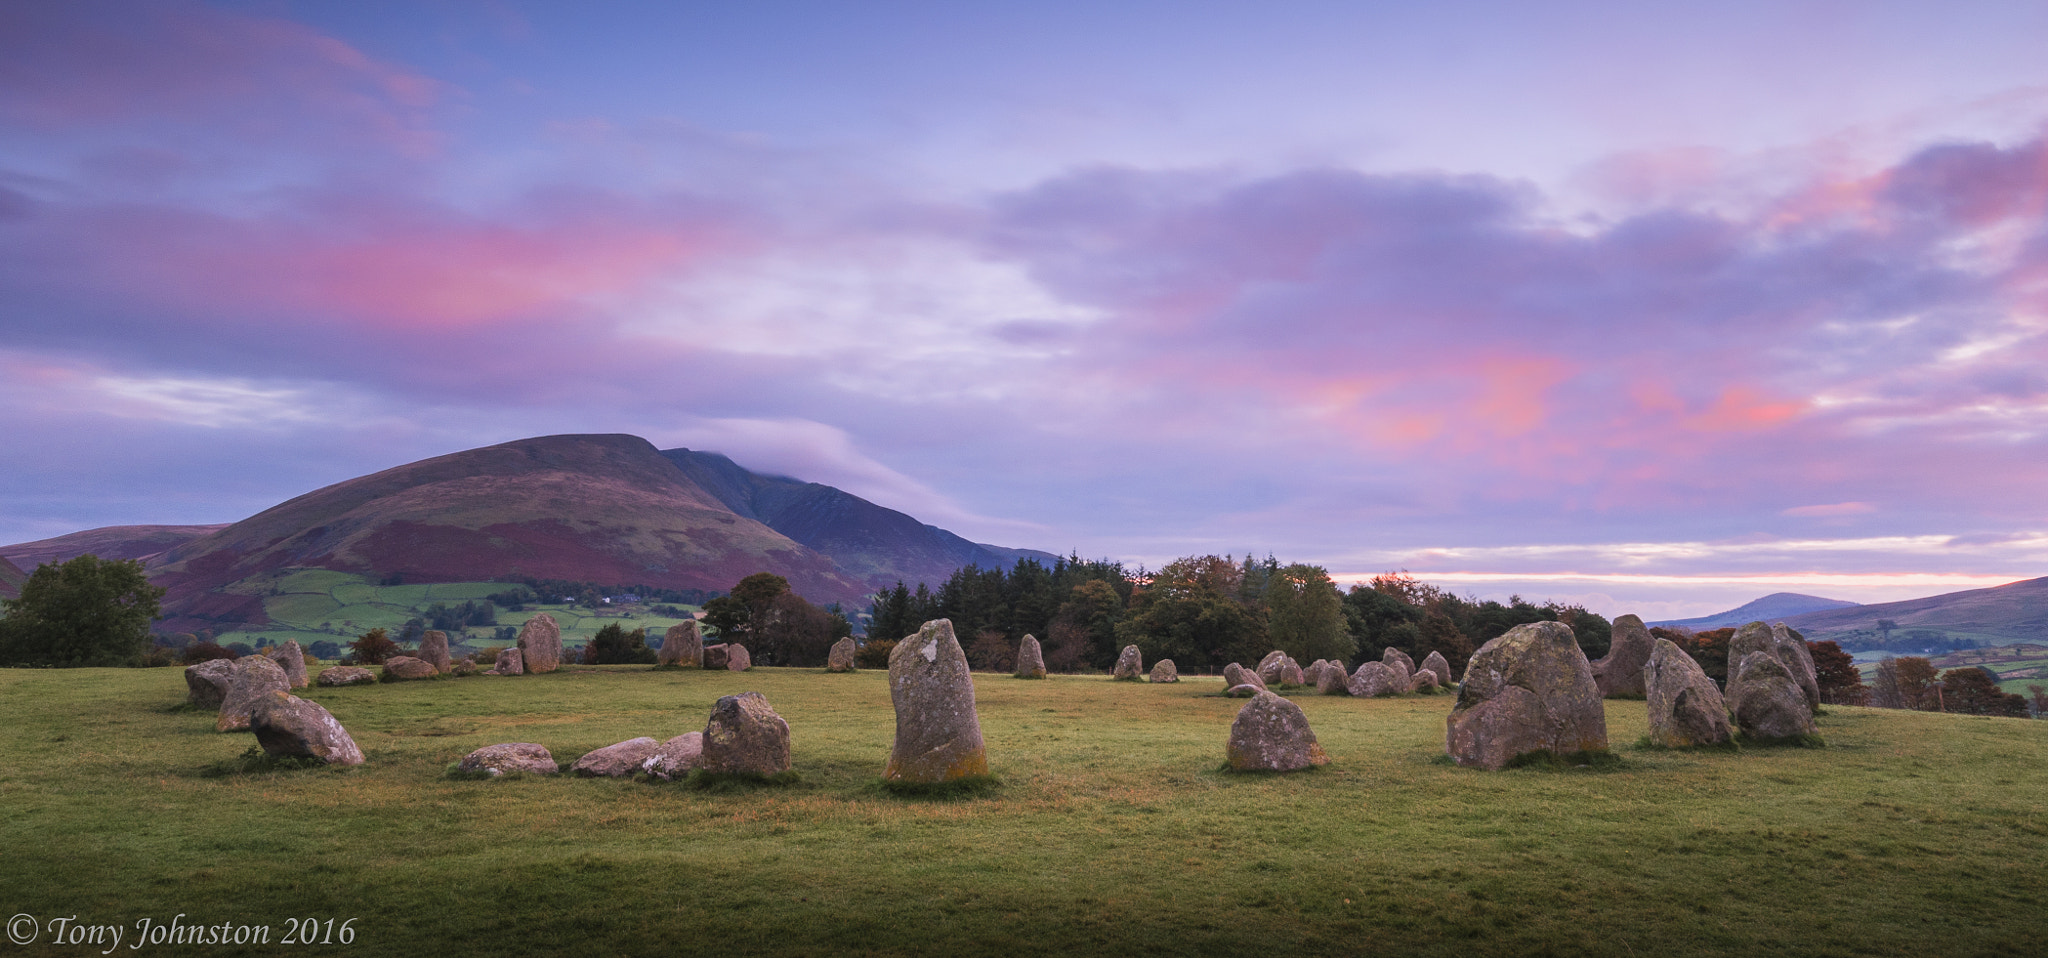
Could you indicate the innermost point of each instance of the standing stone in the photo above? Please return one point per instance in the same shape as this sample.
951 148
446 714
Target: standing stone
207 683
434 650
1766 701
289 726
403 668
1332 680
510 662
1399 665
840 659
1030 659
1530 690
736 658
683 646
1271 734
462 667
1314 673
1620 672
938 734
1235 675
675 757
1163 671
1798 660
1269 667
1130 666
1373 679
510 757
1435 662
744 737
540 644
340 675
1290 672
292 660
714 656
616 761
255 677
1423 680
1686 708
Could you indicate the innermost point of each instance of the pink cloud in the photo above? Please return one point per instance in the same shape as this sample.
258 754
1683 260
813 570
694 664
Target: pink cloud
1830 510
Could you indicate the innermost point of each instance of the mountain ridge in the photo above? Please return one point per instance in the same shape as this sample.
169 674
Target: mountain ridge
1775 606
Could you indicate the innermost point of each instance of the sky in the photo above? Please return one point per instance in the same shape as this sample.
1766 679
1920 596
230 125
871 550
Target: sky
1655 307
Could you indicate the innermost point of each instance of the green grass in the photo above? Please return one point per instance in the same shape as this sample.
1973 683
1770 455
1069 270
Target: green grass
1111 832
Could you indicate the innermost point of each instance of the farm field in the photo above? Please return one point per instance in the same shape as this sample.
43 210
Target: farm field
2017 666
1113 832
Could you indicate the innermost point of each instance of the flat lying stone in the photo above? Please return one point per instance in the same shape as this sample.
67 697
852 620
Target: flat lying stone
616 761
511 757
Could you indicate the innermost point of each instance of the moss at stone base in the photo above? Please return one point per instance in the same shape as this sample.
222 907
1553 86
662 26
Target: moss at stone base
1787 741
970 786
739 781
1546 760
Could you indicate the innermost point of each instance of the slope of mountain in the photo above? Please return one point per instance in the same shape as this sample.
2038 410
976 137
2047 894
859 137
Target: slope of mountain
1770 608
605 508
11 578
871 543
107 542
2014 612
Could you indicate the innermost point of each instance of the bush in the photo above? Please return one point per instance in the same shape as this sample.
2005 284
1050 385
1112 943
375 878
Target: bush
875 654
613 645
372 648
204 651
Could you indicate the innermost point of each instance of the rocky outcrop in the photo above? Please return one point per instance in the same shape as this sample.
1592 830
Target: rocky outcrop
289 726
345 675
540 644
616 761
1130 666
1620 672
1374 679
745 737
1530 690
434 650
1271 734
1164 671
292 660
207 683
682 646
938 733
1686 708
1766 701
255 677
405 668
509 757
1030 659
840 659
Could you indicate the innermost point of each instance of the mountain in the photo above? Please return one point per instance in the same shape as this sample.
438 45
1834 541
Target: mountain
1770 608
607 508
11 578
2014 612
108 542
871 543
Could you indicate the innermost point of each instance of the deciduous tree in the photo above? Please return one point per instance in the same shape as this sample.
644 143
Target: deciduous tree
82 612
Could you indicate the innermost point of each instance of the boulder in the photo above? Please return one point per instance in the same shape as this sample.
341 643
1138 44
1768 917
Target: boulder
736 658
291 727
1373 679
540 644
683 646
509 662
1271 734
1130 666
402 668
462 667
255 676
1798 660
1424 680
714 656
1435 662
1290 672
1164 671
1030 659
1270 666
1620 672
1530 690
346 675
434 650
1400 666
938 733
510 757
207 683
1333 681
1313 674
616 761
840 659
292 660
1686 708
1235 675
744 737
1243 691
1765 699
675 757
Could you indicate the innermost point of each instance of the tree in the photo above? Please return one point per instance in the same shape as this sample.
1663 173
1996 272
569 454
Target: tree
613 645
793 632
84 612
1305 614
1885 627
1190 612
1905 683
372 648
1708 648
1973 690
1840 681
2037 700
733 614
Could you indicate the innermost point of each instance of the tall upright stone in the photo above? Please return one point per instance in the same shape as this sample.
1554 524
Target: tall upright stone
434 650
1777 642
1030 659
292 660
540 644
1400 666
744 736
737 658
1332 680
1765 699
1271 734
1130 666
1530 690
255 677
1619 673
682 646
1686 708
841 658
1435 662
938 733
1270 667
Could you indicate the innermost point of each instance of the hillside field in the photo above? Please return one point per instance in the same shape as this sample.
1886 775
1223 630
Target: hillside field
1113 831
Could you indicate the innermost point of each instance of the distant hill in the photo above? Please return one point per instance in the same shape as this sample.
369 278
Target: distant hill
107 542
1770 608
11 578
2014 612
871 543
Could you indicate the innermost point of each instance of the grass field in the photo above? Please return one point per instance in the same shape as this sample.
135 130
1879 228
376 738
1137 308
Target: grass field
1910 834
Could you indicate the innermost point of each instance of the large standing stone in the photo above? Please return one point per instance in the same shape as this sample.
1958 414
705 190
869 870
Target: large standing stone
683 646
736 658
1686 708
207 683
289 726
1272 735
292 660
1269 668
675 757
1765 699
938 734
1798 660
1235 675
1530 690
1314 672
1130 666
1423 680
1373 679
745 737
1399 665
1164 671
840 659
1435 662
714 656
1620 672
434 650
509 662
510 757
1332 680
540 644
255 677
616 761
1290 672
405 668
1030 659
346 675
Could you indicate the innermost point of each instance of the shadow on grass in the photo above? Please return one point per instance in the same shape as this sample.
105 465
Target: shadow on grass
1547 761
256 761
725 783
1787 741
1647 744
973 786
